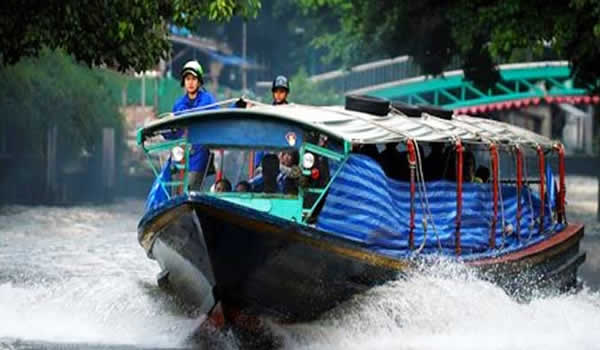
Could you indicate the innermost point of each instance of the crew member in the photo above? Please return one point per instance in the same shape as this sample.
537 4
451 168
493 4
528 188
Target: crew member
195 97
280 90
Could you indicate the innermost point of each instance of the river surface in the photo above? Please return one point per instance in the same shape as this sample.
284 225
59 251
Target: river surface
76 278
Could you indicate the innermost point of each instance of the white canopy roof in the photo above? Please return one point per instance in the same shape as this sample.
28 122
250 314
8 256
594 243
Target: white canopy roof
358 127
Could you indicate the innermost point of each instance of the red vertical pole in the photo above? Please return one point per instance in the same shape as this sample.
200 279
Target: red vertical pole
181 173
219 175
562 191
181 177
494 157
251 165
542 167
412 163
459 180
519 154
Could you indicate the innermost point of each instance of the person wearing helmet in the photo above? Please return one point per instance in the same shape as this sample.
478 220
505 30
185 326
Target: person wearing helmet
280 90
195 97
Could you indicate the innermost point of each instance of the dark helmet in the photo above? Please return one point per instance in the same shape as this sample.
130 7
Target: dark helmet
281 82
194 68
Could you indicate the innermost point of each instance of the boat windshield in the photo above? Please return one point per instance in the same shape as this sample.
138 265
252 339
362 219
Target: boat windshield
272 172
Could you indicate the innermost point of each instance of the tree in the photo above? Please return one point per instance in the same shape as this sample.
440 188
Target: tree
479 32
51 90
278 38
121 34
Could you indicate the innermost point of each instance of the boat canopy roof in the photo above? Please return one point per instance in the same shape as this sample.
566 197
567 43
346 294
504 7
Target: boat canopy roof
363 128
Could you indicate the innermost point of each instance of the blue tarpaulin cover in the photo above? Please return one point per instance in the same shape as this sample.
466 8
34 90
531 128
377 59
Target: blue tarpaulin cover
158 192
365 206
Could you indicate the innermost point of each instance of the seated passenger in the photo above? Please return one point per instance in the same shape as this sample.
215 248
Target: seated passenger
277 174
265 178
369 150
242 186
270 171
468 166
394 163
287 180
435 163
287 160
482 174
223 185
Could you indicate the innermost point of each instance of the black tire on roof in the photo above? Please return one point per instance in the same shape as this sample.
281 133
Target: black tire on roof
437 111
367 104
407 109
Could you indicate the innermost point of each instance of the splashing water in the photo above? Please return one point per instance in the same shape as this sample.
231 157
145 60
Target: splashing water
78 275
448 307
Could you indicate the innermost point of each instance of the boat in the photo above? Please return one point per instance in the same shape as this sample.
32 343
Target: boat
351 215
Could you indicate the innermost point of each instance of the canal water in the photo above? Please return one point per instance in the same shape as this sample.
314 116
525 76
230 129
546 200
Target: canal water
76 278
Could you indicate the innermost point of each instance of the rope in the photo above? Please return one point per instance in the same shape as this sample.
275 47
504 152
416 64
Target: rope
519 164
459 179
495 175
424 201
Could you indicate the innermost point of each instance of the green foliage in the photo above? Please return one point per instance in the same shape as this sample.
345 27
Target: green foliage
479 32
121 34
52 90
279 38
303 91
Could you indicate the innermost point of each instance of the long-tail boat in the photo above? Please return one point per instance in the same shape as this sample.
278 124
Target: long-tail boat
377 190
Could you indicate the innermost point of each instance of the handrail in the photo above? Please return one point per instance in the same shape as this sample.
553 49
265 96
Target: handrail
328 154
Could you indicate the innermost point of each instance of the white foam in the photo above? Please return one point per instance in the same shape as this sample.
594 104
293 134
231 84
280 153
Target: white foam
451 309
91 312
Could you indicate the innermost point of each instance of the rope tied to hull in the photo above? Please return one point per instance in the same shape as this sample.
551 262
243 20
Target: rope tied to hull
519 161
495 174
459 180
424 201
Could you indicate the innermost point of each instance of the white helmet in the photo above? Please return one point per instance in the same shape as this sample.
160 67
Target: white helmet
194 68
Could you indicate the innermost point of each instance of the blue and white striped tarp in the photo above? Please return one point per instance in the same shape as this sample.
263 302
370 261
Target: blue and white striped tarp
365 206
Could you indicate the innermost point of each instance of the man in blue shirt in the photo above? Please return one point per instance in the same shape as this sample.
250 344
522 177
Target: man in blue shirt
195 97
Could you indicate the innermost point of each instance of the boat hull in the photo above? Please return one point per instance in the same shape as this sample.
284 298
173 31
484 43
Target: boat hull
263 265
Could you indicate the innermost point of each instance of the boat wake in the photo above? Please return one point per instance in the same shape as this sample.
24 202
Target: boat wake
126 313
448 307
442 307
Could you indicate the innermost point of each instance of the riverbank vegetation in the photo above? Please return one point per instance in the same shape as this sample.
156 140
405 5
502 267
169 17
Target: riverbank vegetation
54 91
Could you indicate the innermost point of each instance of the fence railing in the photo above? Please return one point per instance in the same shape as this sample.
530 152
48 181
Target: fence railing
366 75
